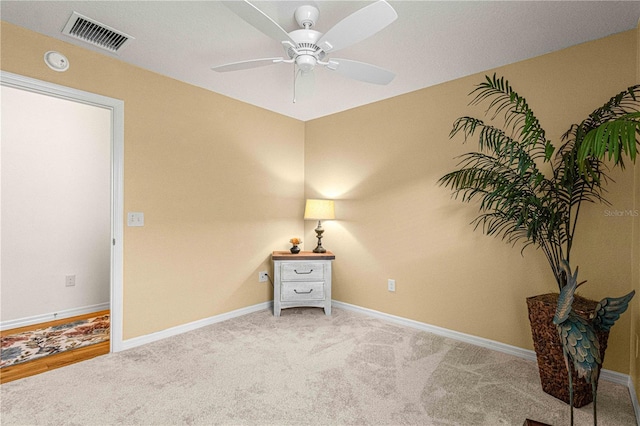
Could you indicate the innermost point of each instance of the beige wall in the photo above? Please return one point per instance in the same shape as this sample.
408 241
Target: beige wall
220 183
381 162
634 335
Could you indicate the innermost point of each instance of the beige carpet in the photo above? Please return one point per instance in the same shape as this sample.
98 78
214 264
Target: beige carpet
300 369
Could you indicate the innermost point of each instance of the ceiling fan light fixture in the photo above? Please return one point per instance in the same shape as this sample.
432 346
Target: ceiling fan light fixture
306 62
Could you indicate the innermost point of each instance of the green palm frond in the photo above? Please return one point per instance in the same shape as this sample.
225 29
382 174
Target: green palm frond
612 139
610 132
518 116
495 141
516 201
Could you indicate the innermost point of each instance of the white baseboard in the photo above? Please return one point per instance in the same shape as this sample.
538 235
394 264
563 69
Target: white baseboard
67 313
173 331
608 375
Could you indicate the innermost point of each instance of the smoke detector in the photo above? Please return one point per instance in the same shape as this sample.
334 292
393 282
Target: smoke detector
56 61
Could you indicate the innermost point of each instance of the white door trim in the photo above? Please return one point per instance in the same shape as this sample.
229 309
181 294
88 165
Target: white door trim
116 107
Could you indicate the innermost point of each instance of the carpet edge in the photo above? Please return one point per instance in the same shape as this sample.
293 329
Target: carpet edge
608 375
194 325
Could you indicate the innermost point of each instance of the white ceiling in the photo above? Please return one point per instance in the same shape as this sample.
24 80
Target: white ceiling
431 42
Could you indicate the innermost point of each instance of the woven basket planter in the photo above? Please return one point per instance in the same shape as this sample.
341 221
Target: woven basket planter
546 342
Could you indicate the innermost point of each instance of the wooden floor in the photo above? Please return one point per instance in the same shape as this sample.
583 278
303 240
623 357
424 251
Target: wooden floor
52 362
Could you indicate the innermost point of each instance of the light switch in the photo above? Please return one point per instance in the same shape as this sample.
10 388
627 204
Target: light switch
135 219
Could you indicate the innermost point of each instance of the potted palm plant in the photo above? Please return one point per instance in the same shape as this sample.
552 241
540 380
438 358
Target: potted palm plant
530 192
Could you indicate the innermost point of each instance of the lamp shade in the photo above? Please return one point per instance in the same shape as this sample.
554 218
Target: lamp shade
319 210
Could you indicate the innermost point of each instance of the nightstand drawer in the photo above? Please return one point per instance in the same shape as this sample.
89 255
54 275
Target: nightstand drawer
299 271
292 291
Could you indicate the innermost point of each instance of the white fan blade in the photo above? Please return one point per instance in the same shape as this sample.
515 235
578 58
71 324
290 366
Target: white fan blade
359 25
258 19
304 85
245 65
361 71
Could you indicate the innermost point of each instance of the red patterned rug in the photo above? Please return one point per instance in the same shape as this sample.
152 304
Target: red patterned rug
30 345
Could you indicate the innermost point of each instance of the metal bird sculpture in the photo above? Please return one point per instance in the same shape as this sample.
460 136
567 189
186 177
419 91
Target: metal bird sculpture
578 335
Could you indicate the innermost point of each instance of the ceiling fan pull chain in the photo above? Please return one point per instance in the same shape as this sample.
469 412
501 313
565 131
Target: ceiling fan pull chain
295 77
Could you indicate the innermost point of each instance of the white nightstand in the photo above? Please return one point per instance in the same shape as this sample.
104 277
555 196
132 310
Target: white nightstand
302 279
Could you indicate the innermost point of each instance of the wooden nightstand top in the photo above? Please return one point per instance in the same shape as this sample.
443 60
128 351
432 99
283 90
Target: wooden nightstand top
303 255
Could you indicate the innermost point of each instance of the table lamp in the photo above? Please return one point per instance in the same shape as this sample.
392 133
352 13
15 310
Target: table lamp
319 210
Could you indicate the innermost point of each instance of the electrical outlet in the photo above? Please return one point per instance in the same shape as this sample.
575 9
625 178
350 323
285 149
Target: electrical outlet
263 276
391 285
70 281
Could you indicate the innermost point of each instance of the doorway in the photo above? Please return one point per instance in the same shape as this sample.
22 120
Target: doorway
97 226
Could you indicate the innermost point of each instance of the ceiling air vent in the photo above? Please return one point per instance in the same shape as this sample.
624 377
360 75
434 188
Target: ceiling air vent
93 32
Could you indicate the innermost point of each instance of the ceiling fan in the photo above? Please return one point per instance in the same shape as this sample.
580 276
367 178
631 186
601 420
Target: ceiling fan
307 48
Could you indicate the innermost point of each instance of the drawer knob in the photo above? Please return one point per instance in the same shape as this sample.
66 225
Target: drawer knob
302 292
302 273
